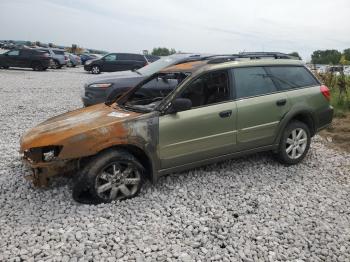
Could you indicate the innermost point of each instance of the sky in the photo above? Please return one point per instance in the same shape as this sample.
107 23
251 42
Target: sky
220 26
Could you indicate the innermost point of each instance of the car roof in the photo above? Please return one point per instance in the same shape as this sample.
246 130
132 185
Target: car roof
206 64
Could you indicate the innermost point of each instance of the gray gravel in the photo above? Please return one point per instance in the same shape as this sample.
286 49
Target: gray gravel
248 209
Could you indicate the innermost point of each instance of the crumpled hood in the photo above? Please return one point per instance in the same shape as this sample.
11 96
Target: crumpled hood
78 125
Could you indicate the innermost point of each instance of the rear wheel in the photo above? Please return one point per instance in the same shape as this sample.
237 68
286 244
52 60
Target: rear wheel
56 65
95 69
295 143
111 175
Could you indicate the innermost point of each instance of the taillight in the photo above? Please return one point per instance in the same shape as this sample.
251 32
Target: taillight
45 55
325 92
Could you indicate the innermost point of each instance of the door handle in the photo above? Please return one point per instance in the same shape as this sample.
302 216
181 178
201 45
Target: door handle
224 114
281 102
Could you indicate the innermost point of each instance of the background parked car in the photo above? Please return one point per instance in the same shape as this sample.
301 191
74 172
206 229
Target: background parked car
152 58
73 60
116 62
87 57
25 58
58 57
113 85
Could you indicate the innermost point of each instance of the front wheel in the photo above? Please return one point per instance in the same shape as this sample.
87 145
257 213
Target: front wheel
95 70
294 144
111 175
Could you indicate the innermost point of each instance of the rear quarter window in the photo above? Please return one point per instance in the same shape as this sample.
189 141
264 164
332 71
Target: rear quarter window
289 77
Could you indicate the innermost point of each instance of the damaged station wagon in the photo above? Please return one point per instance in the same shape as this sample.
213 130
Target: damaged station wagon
221 107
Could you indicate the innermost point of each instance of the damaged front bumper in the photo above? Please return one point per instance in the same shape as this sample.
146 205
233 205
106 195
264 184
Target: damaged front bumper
42 171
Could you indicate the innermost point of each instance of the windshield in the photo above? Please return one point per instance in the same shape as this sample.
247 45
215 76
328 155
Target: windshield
149 95
160 64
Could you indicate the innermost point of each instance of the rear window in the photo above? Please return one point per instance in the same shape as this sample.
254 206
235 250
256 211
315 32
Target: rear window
58 52
252 81
134 57
289 77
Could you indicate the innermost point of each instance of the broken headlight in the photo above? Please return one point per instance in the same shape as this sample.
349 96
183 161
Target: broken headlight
45 154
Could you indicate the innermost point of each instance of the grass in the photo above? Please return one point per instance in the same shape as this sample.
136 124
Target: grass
341 104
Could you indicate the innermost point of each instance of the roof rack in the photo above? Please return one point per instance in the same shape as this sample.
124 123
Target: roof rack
216 59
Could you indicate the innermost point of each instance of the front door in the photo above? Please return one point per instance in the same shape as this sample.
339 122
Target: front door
110 63
260 107
12 58
205 131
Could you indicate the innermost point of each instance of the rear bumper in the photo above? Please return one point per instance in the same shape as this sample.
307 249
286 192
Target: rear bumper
324 118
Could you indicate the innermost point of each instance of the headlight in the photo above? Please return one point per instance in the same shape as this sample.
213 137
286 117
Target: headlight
88 62
39 154
49 153
102 85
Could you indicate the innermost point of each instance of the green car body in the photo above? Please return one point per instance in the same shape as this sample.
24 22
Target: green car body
167 139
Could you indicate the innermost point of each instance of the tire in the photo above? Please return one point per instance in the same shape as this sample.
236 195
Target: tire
56 65
110 175
36 66
95 69
294 144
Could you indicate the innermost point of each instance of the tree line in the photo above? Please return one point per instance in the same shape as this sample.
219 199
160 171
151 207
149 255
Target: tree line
331 56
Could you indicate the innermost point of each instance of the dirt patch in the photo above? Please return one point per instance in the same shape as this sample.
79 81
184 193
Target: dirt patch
338 134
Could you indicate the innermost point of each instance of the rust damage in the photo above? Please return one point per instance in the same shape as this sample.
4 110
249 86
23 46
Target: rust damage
184 67
83 133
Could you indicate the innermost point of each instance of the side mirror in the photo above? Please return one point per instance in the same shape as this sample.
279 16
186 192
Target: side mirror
180 104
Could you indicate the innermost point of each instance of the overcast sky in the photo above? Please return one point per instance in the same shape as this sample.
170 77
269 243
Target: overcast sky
220 26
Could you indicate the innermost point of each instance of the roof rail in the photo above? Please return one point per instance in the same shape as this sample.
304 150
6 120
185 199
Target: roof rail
216 59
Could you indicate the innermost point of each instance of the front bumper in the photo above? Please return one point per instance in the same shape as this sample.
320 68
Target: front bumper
41 172
87 67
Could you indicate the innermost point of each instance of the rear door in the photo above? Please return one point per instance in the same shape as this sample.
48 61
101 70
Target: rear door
205 131
260 107
25 58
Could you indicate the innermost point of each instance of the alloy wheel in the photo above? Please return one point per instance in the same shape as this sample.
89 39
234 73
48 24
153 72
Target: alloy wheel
95 70
296 143
118 181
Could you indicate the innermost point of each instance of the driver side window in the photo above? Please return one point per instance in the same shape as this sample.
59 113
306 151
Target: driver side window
13 53
112 57
210 88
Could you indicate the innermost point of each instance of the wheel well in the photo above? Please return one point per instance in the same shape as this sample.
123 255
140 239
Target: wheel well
134 150
307 119
35 63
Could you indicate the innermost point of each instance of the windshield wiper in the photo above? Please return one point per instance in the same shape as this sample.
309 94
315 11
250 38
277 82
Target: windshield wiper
136 71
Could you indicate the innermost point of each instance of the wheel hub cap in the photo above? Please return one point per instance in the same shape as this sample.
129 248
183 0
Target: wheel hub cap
296 143
117 181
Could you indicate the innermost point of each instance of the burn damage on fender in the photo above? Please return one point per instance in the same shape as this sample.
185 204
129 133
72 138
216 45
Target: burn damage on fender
56 146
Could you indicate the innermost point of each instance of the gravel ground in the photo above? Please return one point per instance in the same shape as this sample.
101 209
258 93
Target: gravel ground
248 209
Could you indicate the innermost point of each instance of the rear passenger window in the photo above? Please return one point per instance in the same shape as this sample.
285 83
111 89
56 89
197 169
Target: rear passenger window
289 77
252 81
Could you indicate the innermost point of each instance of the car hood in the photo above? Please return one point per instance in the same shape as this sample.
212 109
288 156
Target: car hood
82 128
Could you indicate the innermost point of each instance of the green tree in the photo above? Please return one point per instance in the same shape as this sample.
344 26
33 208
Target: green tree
326 57
163 51
295 54
346 54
